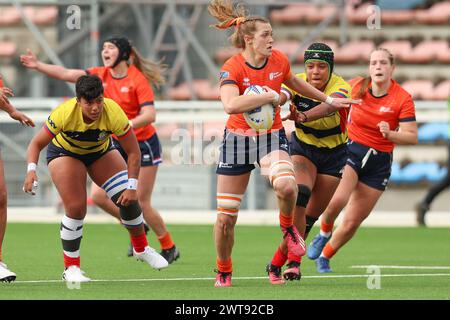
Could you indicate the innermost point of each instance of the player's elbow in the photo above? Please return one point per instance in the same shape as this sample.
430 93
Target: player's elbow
229 108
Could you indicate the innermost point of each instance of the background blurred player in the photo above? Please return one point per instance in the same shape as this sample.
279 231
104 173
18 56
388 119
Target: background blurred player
129 85
242 147
385 117
78 137
6 274
318 145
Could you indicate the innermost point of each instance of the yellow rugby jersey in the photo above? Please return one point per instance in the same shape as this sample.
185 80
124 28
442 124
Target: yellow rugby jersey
329 131
71 133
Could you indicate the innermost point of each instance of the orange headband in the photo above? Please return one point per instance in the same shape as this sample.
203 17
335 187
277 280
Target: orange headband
235 21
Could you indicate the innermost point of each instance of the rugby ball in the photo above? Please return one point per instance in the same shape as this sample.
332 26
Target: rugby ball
260 118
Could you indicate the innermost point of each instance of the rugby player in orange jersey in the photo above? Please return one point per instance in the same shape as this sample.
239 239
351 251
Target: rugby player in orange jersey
243 147
7 275
385 117
126 79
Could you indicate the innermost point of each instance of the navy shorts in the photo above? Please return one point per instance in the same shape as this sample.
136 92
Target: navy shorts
372 166
150 151
54 152
238 154
327 161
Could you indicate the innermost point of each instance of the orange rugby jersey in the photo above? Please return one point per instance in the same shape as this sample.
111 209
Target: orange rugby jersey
394 107
131 92
236 71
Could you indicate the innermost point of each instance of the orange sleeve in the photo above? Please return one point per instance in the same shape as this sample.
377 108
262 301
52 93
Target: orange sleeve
144 92
95 70
1 82
229 74
407 111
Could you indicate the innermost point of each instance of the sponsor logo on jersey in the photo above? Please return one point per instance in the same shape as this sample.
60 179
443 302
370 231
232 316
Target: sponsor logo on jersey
274 75
124 89
386 110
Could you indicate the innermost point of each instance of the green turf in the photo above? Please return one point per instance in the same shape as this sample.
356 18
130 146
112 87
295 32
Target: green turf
33 251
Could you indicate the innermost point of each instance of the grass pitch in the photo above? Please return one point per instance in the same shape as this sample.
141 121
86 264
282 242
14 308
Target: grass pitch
416 266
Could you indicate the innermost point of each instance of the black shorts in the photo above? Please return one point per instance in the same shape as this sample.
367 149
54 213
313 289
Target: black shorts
327 161
150 151
238 154
372 166
54 152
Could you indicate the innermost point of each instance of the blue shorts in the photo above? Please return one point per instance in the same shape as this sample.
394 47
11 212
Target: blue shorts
238 154
372 166
150 151
327 161
54 152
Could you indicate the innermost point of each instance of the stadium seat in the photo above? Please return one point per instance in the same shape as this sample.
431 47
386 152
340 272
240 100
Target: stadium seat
436 174
397 16
7 49
397 47
360 14
9 16
165 130
425 51
44 15
354 51
294 14
399 4
322 13
442 91
432 132
419 89
288 47
417 171
439 13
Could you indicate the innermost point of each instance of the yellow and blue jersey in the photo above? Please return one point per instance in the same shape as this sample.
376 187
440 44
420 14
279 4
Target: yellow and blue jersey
69 131
329 131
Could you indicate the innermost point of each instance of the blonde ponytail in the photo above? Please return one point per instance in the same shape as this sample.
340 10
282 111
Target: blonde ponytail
153 71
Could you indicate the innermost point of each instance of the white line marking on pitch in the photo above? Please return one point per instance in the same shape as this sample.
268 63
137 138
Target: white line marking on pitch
249 278
403 267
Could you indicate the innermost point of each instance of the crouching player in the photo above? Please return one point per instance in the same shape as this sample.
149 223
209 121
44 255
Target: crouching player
78 137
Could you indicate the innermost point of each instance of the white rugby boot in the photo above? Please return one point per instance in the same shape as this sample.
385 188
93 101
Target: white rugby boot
153 258
74 274
6 275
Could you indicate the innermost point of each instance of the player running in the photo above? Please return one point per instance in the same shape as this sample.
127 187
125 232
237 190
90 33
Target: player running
129 85
318 149
78 137
242 147
385 117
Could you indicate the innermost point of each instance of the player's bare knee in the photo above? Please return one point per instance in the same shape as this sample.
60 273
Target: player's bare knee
285 189
75 210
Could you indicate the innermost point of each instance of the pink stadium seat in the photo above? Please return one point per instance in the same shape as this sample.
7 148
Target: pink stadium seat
397 16
419 89
354 51
360 14
45 15
444 55
425 51
9 16
288 47
439 13
7 49
442 91
397 47
322 13
294 13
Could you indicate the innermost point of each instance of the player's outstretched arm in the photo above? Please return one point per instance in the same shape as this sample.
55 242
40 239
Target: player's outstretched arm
29 60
